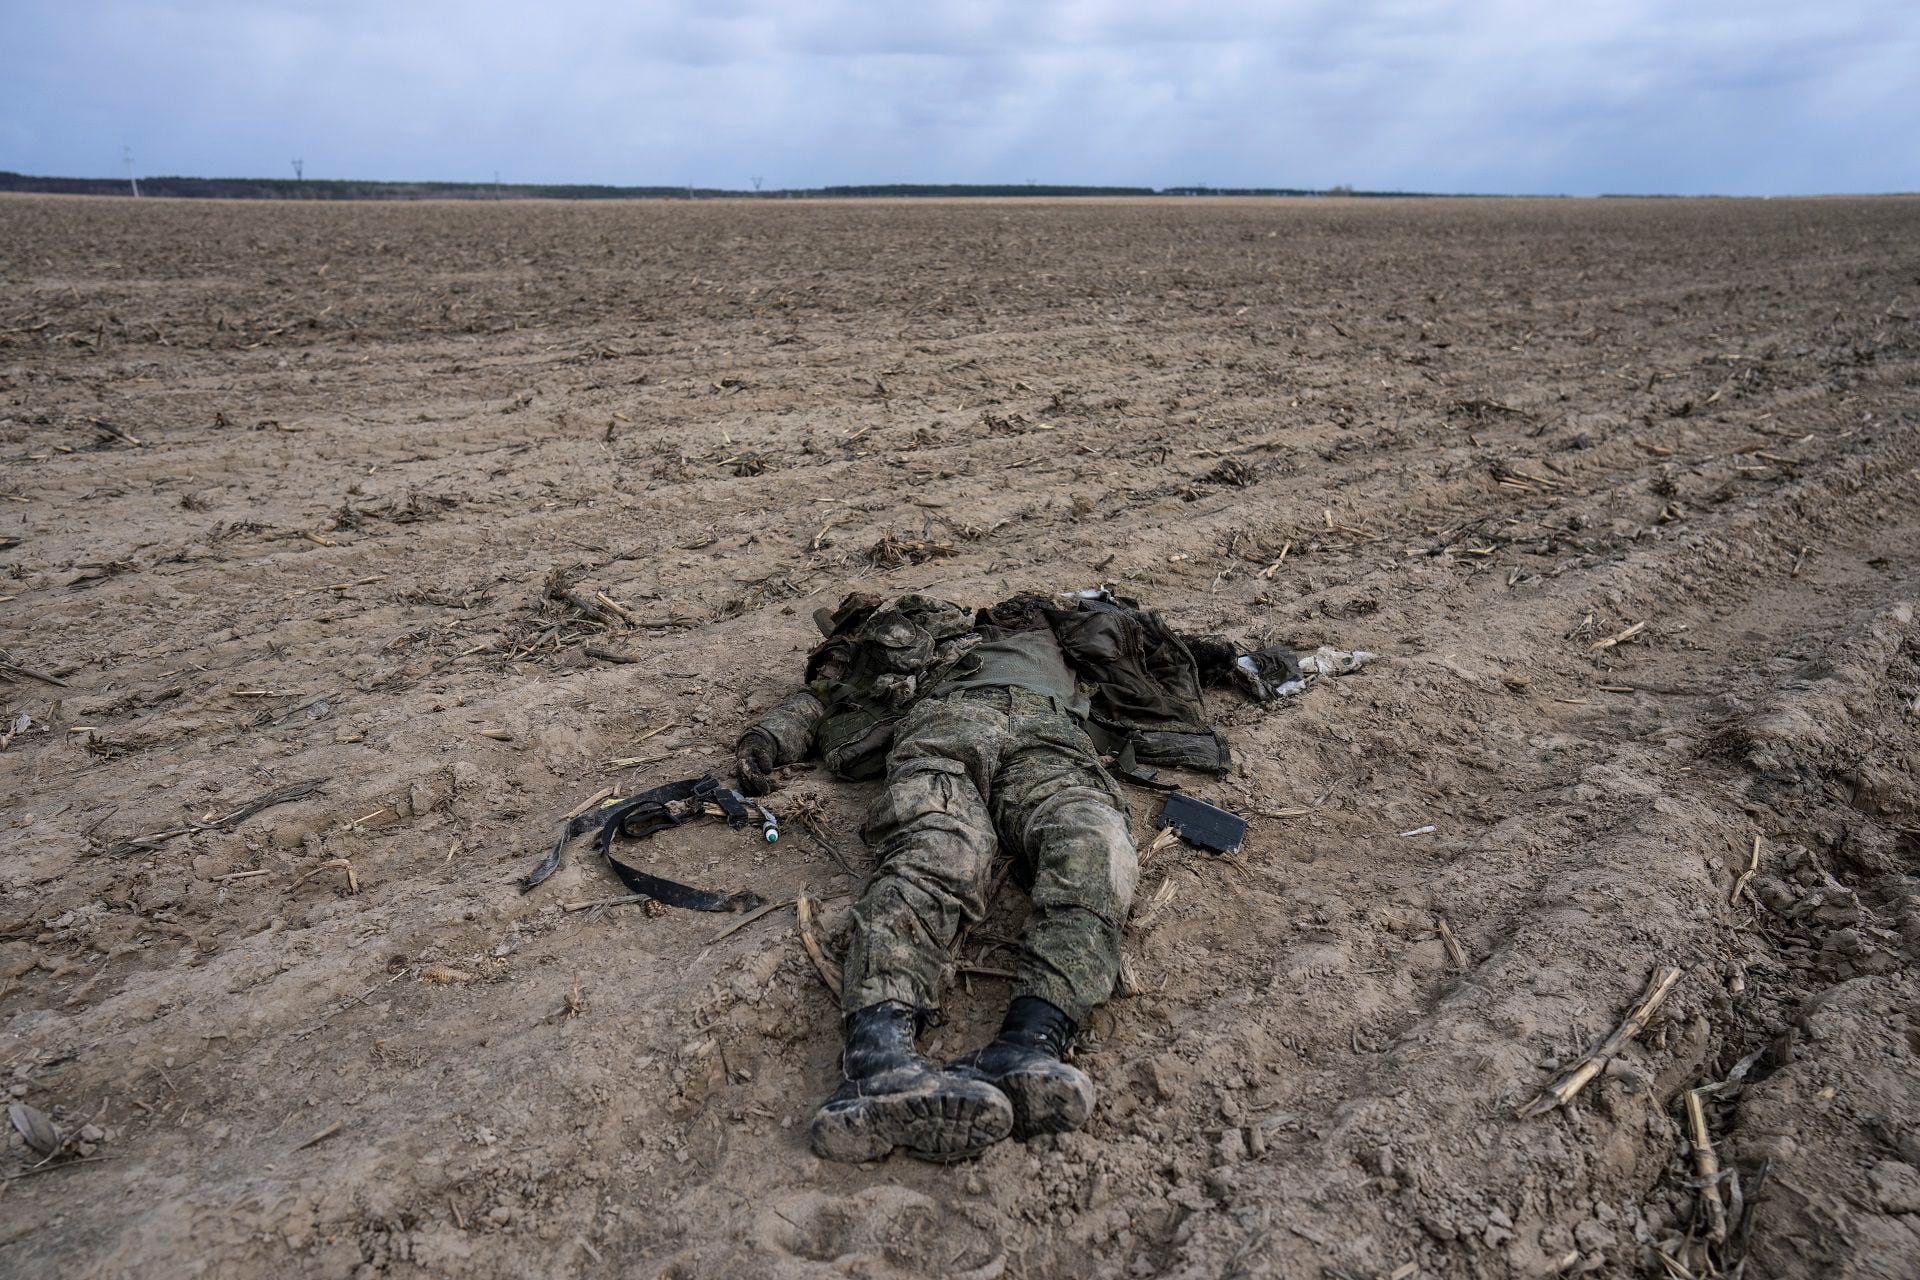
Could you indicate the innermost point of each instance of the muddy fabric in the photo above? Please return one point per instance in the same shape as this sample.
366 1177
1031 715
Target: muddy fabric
790 725
1143 680
1137 682
971 773
1213 657
878 659
1028 659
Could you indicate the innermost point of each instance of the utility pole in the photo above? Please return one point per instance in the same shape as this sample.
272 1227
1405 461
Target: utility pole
756 184
126 153
299 170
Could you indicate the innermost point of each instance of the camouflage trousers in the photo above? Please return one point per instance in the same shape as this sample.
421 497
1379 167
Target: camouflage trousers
969 773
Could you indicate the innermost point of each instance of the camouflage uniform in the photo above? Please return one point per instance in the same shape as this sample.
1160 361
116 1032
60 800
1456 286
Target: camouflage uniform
982 726
989 728
968 771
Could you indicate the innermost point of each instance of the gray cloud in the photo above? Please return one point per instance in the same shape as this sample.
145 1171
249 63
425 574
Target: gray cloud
1737 96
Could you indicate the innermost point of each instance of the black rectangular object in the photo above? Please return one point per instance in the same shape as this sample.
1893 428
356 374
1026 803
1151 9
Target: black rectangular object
1199 823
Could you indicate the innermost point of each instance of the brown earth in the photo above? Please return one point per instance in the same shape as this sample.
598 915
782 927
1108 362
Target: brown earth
283 490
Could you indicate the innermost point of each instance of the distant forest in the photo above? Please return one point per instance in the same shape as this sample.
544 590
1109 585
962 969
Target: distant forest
318 189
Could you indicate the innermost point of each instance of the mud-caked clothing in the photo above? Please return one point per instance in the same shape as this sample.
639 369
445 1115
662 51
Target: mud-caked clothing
1136 682
981 724
973 771
1144 679
878 659
1028 659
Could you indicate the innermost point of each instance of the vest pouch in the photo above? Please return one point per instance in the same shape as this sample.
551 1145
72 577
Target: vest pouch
854 743
1205 752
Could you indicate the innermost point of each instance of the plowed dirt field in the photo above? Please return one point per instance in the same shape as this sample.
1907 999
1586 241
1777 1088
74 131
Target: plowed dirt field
304 510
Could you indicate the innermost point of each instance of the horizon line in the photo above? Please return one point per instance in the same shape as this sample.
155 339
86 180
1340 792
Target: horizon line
182 186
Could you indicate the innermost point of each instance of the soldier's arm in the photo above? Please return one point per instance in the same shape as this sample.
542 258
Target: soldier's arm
784 735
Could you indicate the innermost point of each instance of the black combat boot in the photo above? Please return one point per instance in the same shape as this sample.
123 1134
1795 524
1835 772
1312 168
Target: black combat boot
1023 1062
890 1096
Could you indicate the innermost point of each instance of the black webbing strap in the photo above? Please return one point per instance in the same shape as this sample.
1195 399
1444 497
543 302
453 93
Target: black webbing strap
638 817
1126 765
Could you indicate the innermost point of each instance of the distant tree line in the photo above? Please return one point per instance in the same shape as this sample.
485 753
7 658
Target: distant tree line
323 189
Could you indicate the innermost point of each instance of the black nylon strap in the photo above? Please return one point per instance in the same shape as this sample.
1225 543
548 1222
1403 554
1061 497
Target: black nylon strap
730 803
1125 765
637 817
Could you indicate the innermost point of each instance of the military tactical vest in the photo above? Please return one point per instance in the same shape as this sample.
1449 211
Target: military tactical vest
876 662
1142 679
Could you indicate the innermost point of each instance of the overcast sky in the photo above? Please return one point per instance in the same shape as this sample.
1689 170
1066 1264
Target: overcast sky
1735 96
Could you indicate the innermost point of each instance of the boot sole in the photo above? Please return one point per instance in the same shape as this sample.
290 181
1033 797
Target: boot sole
940 1122
1051 1101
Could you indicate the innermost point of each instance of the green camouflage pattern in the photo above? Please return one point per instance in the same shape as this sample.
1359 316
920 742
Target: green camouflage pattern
1138 682
879 658
968 774
790 725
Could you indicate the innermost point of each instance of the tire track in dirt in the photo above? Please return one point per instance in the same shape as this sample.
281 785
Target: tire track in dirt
1552 933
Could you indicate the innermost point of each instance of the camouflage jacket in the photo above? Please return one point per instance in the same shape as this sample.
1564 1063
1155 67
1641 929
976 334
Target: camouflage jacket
877 660
1142 679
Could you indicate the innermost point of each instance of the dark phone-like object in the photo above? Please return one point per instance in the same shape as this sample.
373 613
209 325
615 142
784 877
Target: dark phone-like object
1199 823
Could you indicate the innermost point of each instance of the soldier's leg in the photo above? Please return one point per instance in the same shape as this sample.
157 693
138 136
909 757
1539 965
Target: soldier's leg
933 842
1068 820
1057 806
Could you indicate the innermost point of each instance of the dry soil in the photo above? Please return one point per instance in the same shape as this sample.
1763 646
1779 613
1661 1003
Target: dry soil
295 496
